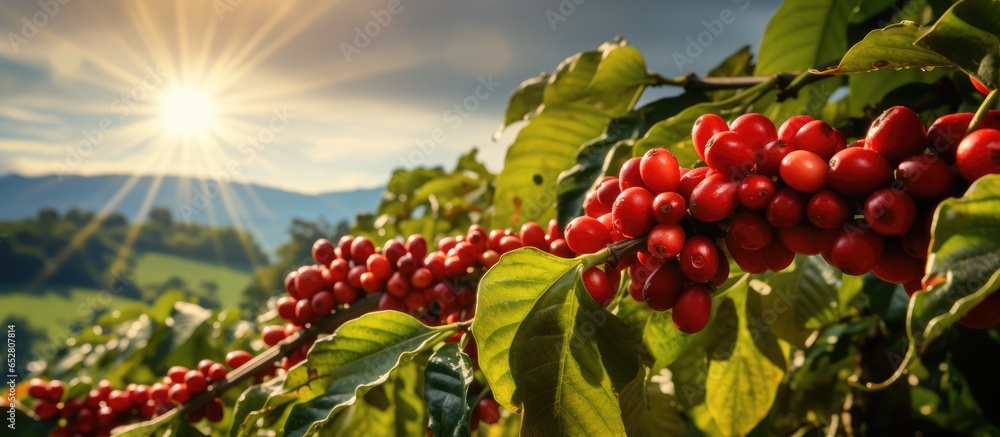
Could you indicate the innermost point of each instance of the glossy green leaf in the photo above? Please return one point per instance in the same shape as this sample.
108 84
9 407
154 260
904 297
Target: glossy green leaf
343 366
580 99
592 161
966 253
547 349
746 366
796 301
524 100
803 34
258 401
968 35
648 411
446 387
890 47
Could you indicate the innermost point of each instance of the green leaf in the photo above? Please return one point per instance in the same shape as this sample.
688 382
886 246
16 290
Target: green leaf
524 100
798 300
548 349
446 387
968 35
889 47
801 35
746 366
258 401
345 365
158 426
580 99
966 253
665 342
648 411
592 161
870 89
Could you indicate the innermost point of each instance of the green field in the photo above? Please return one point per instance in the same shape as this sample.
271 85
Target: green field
52 309
155 268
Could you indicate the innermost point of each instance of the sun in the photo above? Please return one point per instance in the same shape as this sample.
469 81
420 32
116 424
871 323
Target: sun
188 111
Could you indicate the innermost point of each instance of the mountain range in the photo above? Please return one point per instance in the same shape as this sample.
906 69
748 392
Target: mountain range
265 212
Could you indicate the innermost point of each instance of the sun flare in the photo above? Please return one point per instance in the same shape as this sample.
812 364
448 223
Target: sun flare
188 111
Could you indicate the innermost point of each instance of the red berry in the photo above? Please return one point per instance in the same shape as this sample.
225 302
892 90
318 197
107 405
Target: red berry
638 273
560 248
776 256
946 132
380 266
394 250
488 410
669 208
290 285
389 302
371 283
322 252
978 154
890 212
45 409
699 259
592 206
196 381
216 372
693 309
768 158
827 210
273 334
344 293
416 245
897 133
756 128
714 199
632 213
38 388
659 170
979 86
176 374
607 191
665 241
237 358
630 174
303 312
354 275
690 180
729 153
361 249
308 281
179 393
818 137
925 177
421 278
663 286
750 261
791 127
121 401
856 172
807 239
598 285
804 171
722 274
704 128
509 243
755 191
787 208
322 303
533 235
855 251
286 308
751 230
896 267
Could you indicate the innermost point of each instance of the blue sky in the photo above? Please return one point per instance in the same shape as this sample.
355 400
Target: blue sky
289 95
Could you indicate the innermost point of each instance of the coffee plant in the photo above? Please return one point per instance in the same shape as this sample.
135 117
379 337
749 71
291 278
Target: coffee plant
803 243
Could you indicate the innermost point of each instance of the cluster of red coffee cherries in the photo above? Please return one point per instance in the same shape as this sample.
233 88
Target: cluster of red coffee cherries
103 408
772 192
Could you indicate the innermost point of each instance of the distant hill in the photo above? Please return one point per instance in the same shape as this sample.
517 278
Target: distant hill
263 211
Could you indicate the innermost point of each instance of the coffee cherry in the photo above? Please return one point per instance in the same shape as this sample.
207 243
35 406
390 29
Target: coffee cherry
827 210
946 132
586 235
195 381
750 261
659 171
925 177
598 285
416 245
509 243
889 212
216 372
978 154
818 137
379 265
290 285
533 235
704 128
984 315
692 309
322 303
273 334
558 247
38 388
787 208
237 358
791 127
176 374
755 191
776 256
699 259
756 128
592 206
639 274
121 401
632 213
714 199
370 283
896 267
663 286
630 175
807 239
361 249
979 86
856 251
768 158
308 281
178 393
751 230
729 153
897 133
45 409
856 172
488 410
322 252
722 274
665 241
804 171
669 208
303 312
344 293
